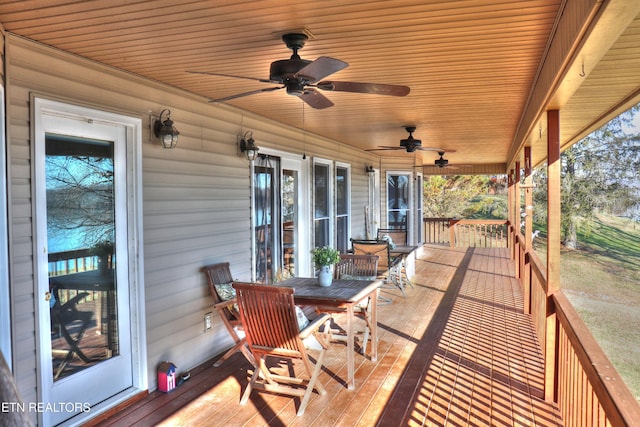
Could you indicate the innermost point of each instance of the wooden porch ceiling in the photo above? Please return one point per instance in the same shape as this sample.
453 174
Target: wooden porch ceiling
458 351
476 68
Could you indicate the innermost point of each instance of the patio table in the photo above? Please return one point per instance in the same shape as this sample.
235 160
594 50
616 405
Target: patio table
341 295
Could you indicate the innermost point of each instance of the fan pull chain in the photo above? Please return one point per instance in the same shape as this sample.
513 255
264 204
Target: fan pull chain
304 139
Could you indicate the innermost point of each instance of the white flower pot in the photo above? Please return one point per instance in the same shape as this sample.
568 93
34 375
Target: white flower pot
325 275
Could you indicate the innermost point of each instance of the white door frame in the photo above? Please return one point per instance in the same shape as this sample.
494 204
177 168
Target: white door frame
134 278
5 306
410 209
294 162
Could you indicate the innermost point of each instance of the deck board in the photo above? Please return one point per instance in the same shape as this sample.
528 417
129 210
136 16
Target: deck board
458 351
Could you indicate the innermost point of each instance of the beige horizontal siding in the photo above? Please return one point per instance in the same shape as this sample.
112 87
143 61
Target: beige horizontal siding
196 198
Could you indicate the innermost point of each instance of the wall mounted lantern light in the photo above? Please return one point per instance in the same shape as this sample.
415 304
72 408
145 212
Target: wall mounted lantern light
369 170
165 130
248 146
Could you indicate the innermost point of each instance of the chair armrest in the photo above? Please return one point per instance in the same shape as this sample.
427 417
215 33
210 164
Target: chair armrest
225 304
314 325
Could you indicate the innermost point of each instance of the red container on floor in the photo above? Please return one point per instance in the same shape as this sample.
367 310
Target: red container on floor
166 377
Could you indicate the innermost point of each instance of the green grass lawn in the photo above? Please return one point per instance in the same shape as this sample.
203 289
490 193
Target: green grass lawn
602 281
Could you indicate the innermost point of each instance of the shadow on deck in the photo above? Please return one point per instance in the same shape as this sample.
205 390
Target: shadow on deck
458 351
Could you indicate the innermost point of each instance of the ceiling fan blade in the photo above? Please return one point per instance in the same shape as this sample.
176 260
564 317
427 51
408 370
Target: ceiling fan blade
321 68
451 166
315 99
230 75
251 92
374 88
434 149
385 147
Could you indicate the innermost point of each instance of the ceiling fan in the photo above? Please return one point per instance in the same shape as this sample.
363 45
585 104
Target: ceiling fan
409 144
300 77
441 162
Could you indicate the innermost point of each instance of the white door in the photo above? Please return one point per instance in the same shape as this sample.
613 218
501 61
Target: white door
280 189
295 203
83 234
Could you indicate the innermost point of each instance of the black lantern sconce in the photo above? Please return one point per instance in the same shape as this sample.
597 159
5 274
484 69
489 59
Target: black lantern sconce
165 130
369 170
248 146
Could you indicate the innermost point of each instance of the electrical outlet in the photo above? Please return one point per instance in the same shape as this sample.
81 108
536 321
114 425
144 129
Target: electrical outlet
207 321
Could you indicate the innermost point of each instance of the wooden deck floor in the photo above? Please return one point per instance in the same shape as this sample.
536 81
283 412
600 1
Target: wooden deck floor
457 352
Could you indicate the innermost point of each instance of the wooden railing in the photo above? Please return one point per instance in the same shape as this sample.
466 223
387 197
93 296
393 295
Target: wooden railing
436 230
484 233
578 375
61 263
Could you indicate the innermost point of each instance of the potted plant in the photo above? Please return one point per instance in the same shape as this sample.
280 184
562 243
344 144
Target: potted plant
324 258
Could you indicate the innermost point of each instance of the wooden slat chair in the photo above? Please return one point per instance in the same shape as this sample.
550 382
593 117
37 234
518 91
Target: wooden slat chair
389 268
359 267
270 322
398 236
220 284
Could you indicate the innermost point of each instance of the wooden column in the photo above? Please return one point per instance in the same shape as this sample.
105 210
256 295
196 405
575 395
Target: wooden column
553 249
553 201
510 214
516 213
528 228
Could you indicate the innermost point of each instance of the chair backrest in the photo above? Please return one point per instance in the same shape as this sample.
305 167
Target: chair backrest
220 274
356 266
399 236
373 247
269 319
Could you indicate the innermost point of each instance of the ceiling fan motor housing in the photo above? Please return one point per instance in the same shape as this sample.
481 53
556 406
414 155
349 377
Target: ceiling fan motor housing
410 143
285 69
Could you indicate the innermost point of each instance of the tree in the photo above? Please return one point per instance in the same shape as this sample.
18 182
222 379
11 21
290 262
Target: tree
598 174
448 196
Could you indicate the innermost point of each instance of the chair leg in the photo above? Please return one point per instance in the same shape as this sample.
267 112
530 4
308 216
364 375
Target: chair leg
396 278
313 384
239 346
247 391
260 371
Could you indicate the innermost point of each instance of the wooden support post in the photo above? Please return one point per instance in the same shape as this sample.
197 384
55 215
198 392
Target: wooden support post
528 227
511 215
553 250
516 213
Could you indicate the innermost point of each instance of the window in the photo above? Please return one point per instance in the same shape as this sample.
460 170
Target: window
322 203
343 201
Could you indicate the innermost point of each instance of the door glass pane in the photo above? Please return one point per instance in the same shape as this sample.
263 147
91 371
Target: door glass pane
267 218
342 209
342 195
397 201
321 190
81 242
263 219
289 220
322 204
